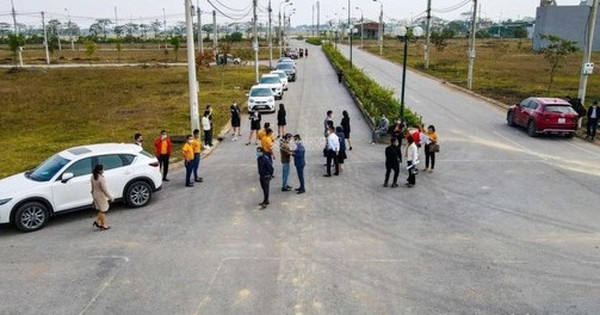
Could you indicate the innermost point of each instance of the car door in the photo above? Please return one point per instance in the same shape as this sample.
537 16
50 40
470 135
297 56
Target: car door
76 191
523 112
116 172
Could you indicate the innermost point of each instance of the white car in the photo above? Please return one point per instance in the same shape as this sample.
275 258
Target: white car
274 82
261 98
283 77
62 183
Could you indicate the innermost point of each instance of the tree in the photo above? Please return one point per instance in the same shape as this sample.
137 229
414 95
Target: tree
235 37
179 28
439 40
520 32
208 29
15 42
176 43
95 29
118 30
104 23
156 26
90 48
145 28
131 28
555 52
4 29
54 27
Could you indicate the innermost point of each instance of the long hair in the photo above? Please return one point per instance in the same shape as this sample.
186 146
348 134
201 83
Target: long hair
281 107
345 114
97 170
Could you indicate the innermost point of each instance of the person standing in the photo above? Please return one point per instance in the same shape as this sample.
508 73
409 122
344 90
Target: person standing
235 111
206 126
429 153
299 162
266 143
398 131
327 122
138 138
188 156
592 120
393 157
412 159
197 149
281 122
286 152
263 131
254 126
163 147
101 197
339 132
346 125
382 129
265 173
333 148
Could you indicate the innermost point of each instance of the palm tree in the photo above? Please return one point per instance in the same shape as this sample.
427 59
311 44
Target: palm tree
104 23
144 28
156 26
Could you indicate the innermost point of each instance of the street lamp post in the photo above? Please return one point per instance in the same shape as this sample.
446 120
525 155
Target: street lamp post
70 29
403 35
280 31
380 30
351 29
362 27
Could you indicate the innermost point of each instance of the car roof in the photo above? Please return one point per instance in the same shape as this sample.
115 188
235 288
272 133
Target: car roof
99 149
269 75
551 101
278 71
261 86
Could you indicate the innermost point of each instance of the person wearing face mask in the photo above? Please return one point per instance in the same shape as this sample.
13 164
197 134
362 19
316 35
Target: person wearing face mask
138 138
299 162
593 114
265 173
333 149
101 196
393 157
188 157
163 147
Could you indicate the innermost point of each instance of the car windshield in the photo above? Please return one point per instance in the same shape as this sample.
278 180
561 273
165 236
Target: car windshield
270 80
45 171
281 75
285 66
563 109
261 92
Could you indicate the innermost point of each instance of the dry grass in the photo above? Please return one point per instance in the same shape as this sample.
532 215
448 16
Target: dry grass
44 111
506 70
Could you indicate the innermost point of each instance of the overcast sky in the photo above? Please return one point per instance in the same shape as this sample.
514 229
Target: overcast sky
84 12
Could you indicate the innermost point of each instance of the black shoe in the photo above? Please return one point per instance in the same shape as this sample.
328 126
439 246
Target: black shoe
199 180
384 184
300 192
189 185
326 175
394 185
297 189
336 174
165 180
285 189
263 206
288 187
96 225
350 148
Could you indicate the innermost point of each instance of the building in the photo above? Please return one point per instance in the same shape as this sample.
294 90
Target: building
568 22
371 29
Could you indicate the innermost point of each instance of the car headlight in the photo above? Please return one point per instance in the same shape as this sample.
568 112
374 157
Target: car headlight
5 200
251 100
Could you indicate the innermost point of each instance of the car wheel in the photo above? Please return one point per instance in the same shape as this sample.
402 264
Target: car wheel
31 216
510 119
138 194
531 129
570 135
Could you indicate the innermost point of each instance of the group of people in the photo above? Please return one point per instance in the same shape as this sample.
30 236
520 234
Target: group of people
335 142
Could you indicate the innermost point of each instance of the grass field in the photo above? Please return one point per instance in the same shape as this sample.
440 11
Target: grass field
45 111
505 70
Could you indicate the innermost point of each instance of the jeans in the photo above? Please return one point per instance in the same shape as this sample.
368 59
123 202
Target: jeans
196 164
264 184
285 173
300 172
163 161
377 135
189 166
388 170
592 124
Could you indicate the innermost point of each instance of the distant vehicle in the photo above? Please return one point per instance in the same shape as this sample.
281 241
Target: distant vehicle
283 77
227 59
62 183
289 68
261 98
292 53
274 82
286 59
544 115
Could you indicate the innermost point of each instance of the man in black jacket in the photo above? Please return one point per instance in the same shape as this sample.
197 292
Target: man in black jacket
265 172
593 114
393 157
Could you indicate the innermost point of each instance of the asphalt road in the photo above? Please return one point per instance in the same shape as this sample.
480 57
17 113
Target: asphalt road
507 224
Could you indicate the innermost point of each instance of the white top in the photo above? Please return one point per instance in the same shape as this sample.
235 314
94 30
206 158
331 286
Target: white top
412 153
333 142
594 113
205 123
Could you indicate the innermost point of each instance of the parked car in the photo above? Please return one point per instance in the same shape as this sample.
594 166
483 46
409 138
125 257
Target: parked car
291 53
227 59
544 115
286 59
283 77
274 82
260 97
62 183
289 68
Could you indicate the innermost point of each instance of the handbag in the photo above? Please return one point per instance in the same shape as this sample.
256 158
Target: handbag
434 148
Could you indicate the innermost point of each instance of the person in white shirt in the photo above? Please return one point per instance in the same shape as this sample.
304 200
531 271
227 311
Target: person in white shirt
333 148
412 159
592 122
206 126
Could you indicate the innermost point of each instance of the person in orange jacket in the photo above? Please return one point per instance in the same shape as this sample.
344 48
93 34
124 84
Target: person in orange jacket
163 147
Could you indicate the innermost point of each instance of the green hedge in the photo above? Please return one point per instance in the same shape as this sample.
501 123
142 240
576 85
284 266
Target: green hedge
314 40
376 99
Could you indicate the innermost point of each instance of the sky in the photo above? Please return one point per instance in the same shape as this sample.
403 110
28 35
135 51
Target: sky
84 12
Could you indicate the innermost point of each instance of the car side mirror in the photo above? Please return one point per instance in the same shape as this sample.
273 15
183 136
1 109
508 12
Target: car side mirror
66 177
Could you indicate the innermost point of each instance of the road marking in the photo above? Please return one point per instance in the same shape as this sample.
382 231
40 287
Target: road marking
581 148
105 284
525 149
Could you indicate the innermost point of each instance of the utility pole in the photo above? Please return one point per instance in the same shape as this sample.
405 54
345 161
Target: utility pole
472 47
428 35
255 44
192 81
270 35
20 50
45 39
70 29
318 17
279 33
351 30
215 41
200 43
587 54
380 30
312 27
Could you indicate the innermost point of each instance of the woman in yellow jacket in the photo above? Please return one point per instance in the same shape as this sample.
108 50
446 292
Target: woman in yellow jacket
101 197
429 153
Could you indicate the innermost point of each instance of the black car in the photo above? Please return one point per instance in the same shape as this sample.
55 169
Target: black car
289 68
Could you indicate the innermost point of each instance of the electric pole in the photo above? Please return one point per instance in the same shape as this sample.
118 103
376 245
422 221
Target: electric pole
428 35
351 30
45 39
192 81
215 41
255 43
20 49
587 54
200 48
472 46
318 17
270 35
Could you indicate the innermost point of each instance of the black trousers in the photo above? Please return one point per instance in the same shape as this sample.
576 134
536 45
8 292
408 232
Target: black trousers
208 137
411 173
591 127
429 157
332 157
264 184
388 170
163 161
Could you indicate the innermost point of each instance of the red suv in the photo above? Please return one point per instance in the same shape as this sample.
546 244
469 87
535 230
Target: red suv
544 115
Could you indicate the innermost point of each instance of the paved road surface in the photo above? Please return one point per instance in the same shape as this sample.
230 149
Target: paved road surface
507 224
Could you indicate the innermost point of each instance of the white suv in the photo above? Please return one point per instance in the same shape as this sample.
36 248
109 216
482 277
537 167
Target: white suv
283 77
62 183
274 82
261 98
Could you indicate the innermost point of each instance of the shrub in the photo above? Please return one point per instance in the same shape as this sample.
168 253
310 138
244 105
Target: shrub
315 40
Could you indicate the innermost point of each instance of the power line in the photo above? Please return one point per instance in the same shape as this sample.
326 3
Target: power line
452 8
